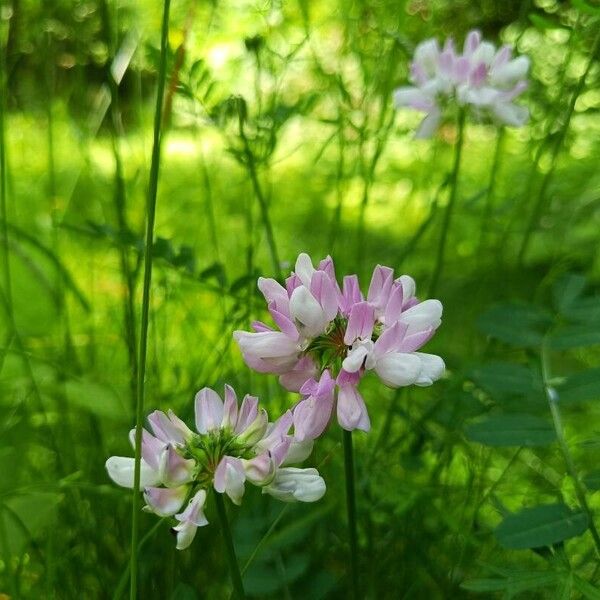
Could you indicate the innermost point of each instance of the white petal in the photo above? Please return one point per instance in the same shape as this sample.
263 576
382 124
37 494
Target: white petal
510 114
304 269
398 369
409 287
306 310
422 316
121 471
510 72
355 358
292 484
432 368
429 125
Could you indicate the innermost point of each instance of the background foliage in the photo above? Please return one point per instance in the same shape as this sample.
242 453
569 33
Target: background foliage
463 488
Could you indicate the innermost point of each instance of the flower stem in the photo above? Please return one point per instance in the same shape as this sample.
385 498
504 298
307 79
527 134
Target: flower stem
351 508
234 568
553 402
141 373
439 263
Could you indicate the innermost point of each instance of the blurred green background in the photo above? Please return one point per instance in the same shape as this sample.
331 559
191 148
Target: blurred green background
320 144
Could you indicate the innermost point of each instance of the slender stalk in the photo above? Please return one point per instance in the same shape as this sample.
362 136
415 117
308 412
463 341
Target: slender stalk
262 200
120 201
539 205
234 569
339 181
351 509
491 191
151 212
3 204
553 402
450 206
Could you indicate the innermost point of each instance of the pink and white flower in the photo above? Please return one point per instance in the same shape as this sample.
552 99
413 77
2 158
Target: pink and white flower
333 336
232 445
482 78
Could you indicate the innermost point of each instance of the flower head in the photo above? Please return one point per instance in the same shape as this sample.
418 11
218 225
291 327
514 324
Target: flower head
482 78
232 444
330 336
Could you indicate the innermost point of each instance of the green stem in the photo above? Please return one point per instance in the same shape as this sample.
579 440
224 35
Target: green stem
539 205
262 201
439 263
553 402
120 201
151 212
234 569
3 204
351 508
491 191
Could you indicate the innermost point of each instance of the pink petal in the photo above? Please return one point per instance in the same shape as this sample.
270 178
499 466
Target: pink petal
351 410
324 290
360 323
390 340
209 410
247 414
230 408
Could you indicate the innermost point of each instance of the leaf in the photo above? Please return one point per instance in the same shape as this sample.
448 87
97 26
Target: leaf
574 336
96 398
183 591
540 526
26 516
520 325
586 7
505 378
513 583
544 23
589 591
581 387
584 310
511 430
592 480
567 289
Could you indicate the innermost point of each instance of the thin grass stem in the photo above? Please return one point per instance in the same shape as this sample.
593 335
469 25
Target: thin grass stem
491 191
541 198
351 511
150 216
234 569
441 251
553 402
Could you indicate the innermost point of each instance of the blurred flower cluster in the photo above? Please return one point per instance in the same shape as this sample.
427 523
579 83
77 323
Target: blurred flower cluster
484 79
329 336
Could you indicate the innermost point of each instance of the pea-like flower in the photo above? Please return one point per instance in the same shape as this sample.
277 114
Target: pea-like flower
232 445
330 336
482 78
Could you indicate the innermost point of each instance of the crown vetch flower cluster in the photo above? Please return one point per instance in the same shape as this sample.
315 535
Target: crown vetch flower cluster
231 445
330 336
481 77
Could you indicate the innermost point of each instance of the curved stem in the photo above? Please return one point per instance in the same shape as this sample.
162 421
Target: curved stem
262 200
491 191
151 212
234 569
538 207
553 402
439 263
351 508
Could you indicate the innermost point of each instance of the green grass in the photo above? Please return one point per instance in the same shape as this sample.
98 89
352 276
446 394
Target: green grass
428 498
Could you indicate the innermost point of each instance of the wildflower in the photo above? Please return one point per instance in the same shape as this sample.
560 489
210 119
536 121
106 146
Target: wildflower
482 78
329 337
232 445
